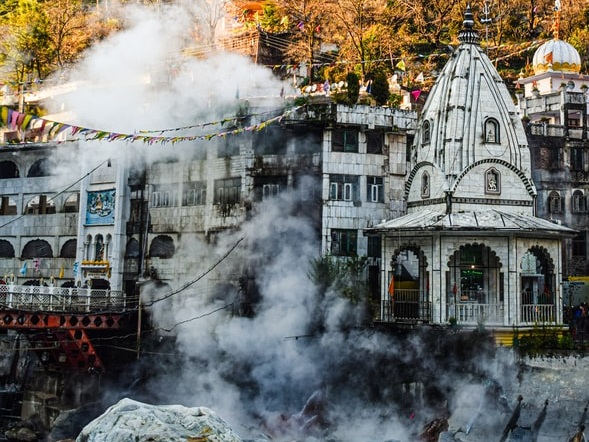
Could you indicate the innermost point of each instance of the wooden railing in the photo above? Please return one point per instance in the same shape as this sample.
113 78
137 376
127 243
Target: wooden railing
61 299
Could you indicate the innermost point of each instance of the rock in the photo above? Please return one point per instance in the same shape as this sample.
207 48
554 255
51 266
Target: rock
22 434
132 421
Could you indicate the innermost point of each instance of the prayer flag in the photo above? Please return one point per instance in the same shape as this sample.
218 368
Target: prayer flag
61 272
548 58
23 269
400 65
392 287
415 94
419 78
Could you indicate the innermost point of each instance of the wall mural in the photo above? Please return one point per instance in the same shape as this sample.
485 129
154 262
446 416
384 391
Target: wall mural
101 207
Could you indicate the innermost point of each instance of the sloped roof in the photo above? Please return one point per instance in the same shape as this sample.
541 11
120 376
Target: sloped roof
485 220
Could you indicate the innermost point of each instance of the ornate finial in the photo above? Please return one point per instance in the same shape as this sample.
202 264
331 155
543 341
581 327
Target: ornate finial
468 34
468 22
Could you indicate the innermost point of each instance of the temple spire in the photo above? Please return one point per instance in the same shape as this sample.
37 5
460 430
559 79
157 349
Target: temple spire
556 25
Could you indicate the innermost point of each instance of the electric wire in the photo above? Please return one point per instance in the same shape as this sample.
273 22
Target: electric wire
22 215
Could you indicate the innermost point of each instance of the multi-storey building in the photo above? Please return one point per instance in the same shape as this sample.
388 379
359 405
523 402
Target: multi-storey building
553 103
123 221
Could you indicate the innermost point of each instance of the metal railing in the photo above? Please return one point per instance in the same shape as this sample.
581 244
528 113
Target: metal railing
406 305
61 299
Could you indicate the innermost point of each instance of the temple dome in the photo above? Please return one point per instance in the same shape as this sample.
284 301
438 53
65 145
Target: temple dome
558 56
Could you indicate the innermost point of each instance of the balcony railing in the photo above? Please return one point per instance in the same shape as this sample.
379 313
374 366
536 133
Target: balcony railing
538 313
406 305
61 299
472 313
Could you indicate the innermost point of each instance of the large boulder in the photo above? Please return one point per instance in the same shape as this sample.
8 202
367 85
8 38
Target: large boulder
132 421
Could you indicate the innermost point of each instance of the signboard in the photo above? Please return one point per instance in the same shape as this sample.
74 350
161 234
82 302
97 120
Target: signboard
100 209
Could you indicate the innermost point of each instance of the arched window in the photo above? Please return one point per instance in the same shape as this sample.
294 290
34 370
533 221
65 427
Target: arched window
555 202
162 247
579 202
99 248
8 170
6 249
492 133
68 250
40 205
425 132
87 247
72 203
132 250
425 185
37 248
40 168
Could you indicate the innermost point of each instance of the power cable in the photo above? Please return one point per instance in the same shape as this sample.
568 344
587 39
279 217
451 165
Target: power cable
58 193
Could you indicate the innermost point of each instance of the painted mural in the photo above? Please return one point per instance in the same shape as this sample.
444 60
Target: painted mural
101 207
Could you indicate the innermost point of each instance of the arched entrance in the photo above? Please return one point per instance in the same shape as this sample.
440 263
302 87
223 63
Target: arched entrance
474 285
408 297
537 282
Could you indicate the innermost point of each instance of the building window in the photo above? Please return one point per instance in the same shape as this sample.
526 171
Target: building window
271 141
555 202
577 163
343 187
7 206
492 181
345 140
227 147
344 242
579 202
162 246
579 247
72 203
227 191
194 193
163 196
554 158
374 141
425 132
374 247
8 170
40 205
492 134
375 189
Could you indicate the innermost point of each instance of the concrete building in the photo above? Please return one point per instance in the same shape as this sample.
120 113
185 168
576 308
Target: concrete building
553 103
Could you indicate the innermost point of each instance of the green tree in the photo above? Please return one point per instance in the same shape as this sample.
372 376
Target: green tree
353 87
380 88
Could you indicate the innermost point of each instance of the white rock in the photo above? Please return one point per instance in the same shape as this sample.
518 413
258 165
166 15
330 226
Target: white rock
132 421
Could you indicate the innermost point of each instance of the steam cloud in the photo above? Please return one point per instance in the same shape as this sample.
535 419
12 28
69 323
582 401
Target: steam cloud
249 370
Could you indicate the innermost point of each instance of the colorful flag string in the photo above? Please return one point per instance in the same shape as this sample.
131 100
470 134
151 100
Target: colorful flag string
18 120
